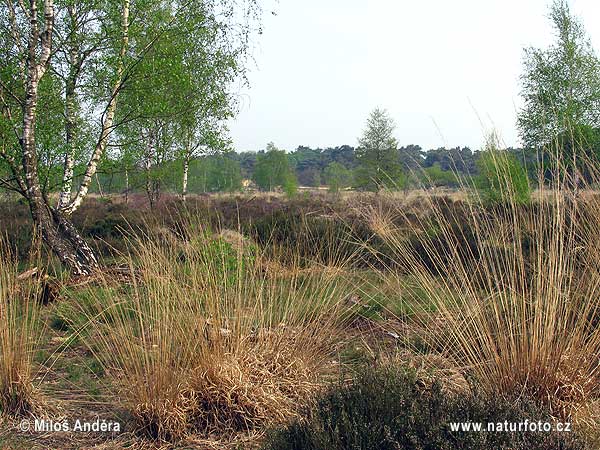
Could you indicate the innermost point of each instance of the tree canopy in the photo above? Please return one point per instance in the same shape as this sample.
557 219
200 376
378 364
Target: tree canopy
81 82
377 154
561 91
273 169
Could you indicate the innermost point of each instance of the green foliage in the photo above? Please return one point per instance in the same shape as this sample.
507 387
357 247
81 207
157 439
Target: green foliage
560 88
187 101
502 179
389 408
377 155
308 163
231 263
176 93
273 169
436 176
580 148
290 185
337 177
218 173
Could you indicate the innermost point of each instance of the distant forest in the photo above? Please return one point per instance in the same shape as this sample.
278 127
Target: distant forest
311 167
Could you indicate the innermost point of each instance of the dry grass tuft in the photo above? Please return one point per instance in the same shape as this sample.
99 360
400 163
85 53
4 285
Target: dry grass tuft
20 332
588 419
207 342
512 290
243 392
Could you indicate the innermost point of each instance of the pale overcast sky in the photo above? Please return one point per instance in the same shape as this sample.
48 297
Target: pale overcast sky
447 71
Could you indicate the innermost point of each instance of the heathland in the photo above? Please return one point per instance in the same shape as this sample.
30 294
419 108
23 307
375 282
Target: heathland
160 290
217 321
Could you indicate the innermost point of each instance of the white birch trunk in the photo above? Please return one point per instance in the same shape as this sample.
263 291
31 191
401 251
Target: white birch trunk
107 123
57 231
126 185
186 169
148 169
70 118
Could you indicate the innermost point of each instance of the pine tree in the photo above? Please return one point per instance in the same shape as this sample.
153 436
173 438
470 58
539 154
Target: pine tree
377 155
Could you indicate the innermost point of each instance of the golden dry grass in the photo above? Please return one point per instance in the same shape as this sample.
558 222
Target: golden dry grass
513 290
20 332
206 341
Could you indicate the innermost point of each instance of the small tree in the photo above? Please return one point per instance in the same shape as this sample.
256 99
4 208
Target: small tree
377 155
337 177
435 176
290 185
501 177
561 91
273 169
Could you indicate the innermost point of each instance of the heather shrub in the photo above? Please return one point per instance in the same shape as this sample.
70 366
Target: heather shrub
391 408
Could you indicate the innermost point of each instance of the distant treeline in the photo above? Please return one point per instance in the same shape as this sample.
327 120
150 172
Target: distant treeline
312 167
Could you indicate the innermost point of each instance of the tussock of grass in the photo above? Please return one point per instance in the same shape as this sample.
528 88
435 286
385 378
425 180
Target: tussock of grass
20 332
245 391
207 341
514 290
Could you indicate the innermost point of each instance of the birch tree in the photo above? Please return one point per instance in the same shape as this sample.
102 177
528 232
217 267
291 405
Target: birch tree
29 50
206 136
185 104
44 41
560 87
